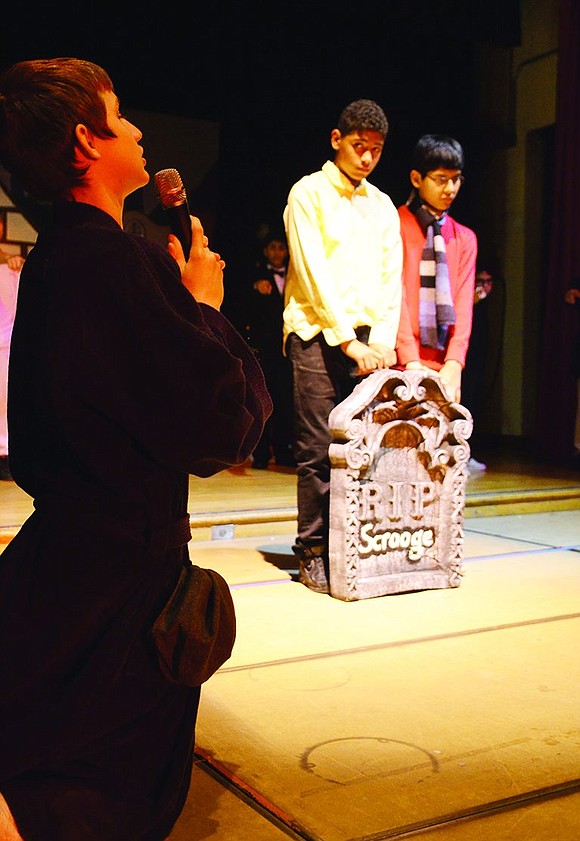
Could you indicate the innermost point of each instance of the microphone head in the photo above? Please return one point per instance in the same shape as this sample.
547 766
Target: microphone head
170 188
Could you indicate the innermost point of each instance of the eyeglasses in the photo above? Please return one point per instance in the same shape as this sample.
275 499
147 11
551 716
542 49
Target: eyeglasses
443 181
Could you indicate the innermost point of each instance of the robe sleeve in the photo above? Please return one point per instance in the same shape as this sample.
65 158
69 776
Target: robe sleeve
174 375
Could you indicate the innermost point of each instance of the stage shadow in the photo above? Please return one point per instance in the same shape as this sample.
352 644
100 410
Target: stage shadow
282 557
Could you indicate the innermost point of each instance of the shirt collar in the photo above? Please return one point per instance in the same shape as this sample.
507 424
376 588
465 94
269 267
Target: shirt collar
335 177
414 201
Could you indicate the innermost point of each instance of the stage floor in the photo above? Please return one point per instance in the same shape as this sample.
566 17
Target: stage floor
449 715
243 502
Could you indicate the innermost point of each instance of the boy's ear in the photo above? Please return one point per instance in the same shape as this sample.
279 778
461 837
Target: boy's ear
85 142
416 178
335 138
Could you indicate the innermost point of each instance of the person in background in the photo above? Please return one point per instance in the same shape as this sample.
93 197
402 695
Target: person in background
572 297
342 307
265 304
124 379
13 261
10 266
439 256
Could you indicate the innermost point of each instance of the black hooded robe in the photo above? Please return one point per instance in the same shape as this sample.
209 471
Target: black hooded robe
120 386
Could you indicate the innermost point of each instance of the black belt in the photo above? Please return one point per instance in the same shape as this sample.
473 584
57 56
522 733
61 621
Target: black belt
172 536
157 538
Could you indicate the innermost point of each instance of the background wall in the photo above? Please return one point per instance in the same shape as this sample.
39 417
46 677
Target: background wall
516 112
18 234
255 89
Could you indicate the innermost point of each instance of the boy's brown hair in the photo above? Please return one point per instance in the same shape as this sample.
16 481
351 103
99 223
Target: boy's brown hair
41 103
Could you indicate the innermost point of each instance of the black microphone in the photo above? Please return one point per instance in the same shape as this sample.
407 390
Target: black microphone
174 201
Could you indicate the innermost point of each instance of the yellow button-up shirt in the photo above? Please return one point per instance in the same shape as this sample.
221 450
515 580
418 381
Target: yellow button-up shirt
345 260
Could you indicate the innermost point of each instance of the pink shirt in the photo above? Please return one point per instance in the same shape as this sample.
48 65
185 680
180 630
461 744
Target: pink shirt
8 293
461 248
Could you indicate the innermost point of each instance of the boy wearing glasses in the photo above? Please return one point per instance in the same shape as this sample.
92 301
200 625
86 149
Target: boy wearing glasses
438 265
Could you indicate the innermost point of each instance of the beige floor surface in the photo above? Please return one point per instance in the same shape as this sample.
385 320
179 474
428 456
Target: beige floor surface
449 715
443 714
258 502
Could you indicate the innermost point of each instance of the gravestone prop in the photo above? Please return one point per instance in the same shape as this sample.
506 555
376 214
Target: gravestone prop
397 486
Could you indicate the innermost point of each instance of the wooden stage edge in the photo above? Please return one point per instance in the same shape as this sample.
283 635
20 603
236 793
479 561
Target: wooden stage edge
249 523
223 525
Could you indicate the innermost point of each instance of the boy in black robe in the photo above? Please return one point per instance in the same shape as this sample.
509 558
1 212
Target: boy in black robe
124 379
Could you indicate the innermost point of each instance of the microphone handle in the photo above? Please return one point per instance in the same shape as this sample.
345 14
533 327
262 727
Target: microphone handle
180 225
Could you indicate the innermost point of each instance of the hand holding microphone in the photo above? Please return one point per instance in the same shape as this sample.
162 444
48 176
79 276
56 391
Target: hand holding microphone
201 269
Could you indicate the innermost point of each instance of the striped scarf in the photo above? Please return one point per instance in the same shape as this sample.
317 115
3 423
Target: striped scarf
436 310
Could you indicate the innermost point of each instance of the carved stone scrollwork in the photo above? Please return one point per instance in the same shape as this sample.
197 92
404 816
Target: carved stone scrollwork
351 535
397 486
357 454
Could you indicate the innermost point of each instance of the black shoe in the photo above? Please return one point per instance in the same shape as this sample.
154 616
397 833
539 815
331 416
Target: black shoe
284 456
5 474
286 461
312 574
313 567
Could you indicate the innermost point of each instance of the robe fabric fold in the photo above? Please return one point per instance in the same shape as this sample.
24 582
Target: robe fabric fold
120 385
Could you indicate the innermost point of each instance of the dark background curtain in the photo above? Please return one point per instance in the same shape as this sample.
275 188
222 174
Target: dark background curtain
554 435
